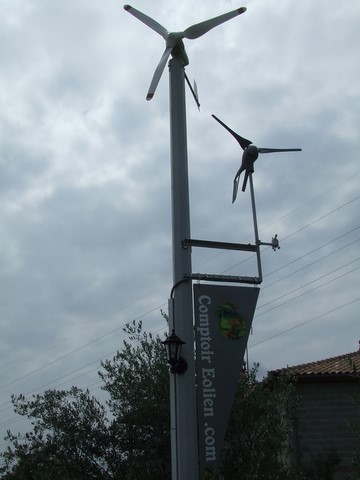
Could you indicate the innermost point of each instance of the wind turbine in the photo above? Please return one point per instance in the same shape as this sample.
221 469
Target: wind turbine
184 434
174 40
251 153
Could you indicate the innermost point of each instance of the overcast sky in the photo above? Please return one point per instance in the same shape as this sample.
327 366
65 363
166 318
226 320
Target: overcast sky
85 214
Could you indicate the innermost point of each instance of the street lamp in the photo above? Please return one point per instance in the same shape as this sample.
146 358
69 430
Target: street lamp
173 346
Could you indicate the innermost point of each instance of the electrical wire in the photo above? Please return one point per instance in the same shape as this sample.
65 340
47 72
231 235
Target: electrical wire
251 346
81 347
139 317
157 289
313 319
298 231
304 293
310 253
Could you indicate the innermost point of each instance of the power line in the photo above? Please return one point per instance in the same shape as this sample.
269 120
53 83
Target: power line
313 281
298 231
304 293
305 322
313 251
157 289
158 307
81 347
313 199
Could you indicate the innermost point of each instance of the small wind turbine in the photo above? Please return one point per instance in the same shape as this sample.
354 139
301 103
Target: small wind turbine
174 40
251 153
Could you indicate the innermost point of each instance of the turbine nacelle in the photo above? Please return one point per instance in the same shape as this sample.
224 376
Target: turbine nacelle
174 41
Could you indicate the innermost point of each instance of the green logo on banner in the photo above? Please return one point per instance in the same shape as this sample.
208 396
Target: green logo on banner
231 324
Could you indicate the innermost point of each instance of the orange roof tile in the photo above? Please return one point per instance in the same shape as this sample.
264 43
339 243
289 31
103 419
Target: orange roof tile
347 364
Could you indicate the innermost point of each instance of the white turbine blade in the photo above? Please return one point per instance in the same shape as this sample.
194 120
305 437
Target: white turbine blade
158 72
148 21
200 29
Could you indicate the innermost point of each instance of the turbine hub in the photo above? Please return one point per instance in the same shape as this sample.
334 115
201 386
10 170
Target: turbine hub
252 151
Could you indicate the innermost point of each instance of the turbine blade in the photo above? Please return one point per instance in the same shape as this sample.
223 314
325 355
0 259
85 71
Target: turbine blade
245 180
158 72
148 21
236 185
244 143
200 29
272 150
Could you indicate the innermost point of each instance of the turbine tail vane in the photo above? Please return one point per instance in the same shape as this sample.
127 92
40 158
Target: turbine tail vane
193 90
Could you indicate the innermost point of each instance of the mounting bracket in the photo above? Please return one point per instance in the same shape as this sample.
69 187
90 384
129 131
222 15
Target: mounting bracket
274 243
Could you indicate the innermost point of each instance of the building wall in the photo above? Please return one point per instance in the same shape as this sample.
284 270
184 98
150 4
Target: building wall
326 411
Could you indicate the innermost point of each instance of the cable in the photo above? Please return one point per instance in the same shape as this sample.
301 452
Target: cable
334 187
77 349
298 231
305 293
305 322
112 314
313 251
276 282
309 283
95 323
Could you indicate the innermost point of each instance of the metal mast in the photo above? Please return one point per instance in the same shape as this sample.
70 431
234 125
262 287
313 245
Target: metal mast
183 395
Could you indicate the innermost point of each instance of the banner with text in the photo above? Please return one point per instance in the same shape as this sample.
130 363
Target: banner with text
223 318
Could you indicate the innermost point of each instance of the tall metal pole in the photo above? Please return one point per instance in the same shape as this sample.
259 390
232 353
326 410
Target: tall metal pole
183 402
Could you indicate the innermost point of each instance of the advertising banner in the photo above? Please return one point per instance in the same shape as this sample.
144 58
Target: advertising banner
223 318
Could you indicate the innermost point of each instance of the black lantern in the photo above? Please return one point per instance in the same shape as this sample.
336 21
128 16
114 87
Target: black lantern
173 346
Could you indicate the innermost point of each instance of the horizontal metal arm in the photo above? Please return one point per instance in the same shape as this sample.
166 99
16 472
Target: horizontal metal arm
209 277
246 247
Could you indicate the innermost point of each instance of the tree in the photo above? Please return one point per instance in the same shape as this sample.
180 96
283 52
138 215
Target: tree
137 380
257 441
69 440
76 437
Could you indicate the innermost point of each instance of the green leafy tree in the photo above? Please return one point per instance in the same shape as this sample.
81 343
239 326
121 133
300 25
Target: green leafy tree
137 380
257 442
69 440
76 437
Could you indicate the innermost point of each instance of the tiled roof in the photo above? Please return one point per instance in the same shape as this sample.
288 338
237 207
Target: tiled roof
346 364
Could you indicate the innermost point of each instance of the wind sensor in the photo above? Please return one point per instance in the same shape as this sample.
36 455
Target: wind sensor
251 153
